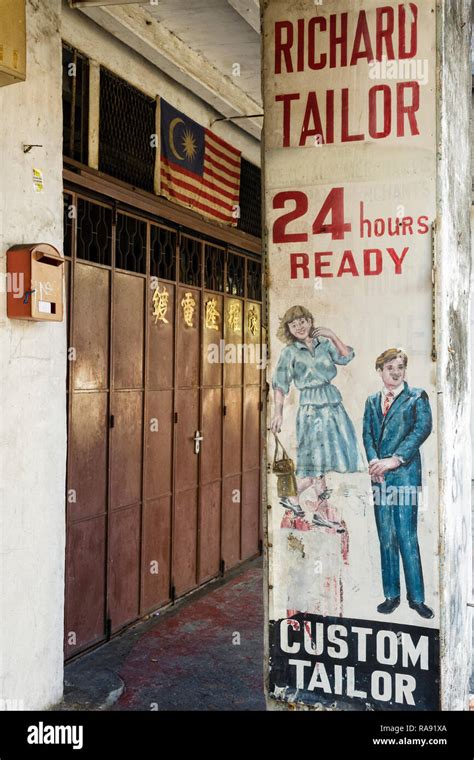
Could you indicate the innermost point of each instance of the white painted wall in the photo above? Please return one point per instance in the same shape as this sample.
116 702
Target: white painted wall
472 331
33 386
90 39
472 253
33 355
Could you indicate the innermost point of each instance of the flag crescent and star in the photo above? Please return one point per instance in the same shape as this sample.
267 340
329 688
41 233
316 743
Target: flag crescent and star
198 169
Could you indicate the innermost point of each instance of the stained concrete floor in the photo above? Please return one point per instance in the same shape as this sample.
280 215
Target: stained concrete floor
206 653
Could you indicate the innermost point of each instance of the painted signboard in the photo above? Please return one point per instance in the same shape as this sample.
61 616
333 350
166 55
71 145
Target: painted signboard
350 173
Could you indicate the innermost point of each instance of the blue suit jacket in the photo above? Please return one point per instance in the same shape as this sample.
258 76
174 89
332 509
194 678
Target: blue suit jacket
404 428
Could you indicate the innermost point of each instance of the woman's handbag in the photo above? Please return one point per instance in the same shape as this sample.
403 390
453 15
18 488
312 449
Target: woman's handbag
284 469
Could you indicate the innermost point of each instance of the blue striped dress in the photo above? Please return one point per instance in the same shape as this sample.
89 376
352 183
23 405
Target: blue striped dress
326 438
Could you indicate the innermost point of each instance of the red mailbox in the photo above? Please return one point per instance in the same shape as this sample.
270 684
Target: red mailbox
35 274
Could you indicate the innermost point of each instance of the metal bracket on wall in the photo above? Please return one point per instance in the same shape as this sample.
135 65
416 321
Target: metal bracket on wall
27 147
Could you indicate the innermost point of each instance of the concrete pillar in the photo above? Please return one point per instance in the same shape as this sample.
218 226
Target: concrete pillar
33 382
367 206
453 341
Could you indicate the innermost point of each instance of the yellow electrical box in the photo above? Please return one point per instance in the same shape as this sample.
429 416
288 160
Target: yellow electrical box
12 41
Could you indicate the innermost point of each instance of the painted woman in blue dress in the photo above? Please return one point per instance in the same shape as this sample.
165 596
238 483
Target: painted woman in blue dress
325 436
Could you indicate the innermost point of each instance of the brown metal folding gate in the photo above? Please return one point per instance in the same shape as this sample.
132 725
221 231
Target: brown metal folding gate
164 402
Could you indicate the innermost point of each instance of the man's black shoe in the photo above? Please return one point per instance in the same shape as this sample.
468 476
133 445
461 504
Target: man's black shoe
422 609
389 605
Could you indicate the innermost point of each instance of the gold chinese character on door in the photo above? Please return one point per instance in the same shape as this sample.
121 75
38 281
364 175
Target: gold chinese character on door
160 304
188 305
234 316
252 320
212 314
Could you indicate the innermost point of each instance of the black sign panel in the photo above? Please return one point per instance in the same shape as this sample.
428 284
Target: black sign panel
354 663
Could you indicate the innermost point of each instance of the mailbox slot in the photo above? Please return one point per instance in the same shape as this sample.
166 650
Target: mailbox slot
43 259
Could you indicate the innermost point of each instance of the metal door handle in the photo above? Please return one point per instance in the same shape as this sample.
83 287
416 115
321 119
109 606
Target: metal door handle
197 441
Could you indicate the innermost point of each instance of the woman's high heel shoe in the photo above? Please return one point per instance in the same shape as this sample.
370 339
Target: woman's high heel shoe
295 508
323 522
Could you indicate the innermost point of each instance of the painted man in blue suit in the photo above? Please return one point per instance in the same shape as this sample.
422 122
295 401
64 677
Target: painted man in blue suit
397 421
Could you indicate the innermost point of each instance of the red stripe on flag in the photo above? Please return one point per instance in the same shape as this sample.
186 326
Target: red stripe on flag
196 191
222 155
202 206
233 184
222 142
222 168
224 193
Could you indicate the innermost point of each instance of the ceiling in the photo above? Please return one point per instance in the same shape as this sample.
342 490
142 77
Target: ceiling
216 30
211 47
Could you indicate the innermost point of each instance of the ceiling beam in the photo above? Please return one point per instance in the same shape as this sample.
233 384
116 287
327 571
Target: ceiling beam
151 39
97 3
249 10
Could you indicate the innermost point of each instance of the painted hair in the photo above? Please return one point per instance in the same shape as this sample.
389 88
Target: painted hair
389 355
295 312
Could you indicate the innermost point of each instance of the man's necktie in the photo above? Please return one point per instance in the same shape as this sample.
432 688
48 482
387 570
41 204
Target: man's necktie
387 402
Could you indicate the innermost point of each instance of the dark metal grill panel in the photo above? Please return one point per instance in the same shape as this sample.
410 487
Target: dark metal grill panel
75 104
254 280
214 268
69 210
94 232
127 123
130 252
190 261
250 199
235 274
162 253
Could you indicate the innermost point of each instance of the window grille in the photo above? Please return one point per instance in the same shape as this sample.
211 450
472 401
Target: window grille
235 274
214 268
126 129
250 199
162 253
67 217
94 232
130 250
190 261
254 280
75 105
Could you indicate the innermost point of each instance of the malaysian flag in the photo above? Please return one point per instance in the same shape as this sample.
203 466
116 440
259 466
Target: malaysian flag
198 169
